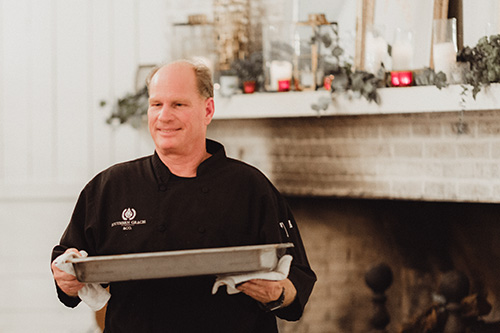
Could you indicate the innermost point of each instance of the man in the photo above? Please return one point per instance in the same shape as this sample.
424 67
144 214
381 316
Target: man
188 195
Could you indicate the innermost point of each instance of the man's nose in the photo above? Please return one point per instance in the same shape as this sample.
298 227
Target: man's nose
165 113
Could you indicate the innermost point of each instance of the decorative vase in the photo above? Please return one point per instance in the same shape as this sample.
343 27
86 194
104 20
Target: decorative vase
444 46
278 53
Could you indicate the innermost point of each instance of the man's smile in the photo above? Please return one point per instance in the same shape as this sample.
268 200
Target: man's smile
168 130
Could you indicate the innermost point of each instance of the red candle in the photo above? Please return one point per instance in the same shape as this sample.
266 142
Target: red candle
249 87
283 85
327 82
401 78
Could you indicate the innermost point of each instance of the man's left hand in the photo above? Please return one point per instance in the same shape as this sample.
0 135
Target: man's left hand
266 291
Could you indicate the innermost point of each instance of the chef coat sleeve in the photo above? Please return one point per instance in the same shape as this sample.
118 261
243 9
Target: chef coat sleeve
74 237
285 229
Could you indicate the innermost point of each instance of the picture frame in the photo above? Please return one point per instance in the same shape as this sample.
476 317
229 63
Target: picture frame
141 75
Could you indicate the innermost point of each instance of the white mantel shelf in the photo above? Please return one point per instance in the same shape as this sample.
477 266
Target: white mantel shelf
393 100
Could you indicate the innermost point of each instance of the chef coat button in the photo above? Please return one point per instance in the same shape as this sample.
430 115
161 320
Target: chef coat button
162 187
162 227
202 230
204 189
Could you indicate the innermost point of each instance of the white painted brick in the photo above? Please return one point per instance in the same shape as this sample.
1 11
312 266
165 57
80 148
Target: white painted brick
371 156
440 190
472 150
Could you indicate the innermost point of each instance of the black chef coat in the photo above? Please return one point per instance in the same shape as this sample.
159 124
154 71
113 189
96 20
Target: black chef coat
139 206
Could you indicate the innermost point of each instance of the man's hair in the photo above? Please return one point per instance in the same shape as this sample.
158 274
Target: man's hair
201 71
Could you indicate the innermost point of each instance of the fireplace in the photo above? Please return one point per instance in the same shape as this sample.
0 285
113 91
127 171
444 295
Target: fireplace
412 190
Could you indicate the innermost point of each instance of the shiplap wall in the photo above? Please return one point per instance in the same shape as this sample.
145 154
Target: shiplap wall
58 60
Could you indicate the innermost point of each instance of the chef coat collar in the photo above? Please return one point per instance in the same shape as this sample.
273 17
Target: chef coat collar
214 148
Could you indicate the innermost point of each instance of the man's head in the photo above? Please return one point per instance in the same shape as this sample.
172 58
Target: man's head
180 108
203 77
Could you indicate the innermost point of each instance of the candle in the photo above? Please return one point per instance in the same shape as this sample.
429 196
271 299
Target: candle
375 51
327 82
401 78
248 87
444 56
280 70
402 51
283 85
402 56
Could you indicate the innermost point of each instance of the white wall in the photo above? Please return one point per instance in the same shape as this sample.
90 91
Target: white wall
489 23
58 60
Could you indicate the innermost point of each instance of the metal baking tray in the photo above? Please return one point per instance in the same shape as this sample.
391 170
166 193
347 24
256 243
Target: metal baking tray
154 265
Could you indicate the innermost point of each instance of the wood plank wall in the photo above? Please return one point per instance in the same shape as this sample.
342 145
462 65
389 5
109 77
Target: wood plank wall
58 60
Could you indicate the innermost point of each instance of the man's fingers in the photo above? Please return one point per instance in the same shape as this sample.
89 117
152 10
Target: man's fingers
68 283
264 291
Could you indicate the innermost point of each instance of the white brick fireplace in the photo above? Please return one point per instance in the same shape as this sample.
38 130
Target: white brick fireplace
418 190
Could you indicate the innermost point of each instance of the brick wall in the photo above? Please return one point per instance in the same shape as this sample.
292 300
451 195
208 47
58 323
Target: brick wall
341 176
410 156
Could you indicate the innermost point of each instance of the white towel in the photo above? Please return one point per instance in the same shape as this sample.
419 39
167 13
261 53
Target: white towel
231 281
93 294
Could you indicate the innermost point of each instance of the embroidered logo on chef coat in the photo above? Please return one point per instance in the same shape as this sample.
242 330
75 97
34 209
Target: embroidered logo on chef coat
128 219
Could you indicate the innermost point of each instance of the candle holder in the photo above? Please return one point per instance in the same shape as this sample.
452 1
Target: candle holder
401 78
314 41
249 87
444 46
284 85
278 53
327 81
402 50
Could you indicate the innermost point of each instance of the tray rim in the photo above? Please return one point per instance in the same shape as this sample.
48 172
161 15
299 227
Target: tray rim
145 255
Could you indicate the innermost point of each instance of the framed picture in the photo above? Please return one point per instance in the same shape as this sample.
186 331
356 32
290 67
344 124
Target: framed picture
141 75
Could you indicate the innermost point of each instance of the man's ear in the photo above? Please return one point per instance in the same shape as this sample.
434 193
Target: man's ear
209 109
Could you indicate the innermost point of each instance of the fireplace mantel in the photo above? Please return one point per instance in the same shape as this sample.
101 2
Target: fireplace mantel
393 101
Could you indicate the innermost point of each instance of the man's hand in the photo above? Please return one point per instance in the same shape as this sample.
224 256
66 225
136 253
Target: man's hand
266 291
67 282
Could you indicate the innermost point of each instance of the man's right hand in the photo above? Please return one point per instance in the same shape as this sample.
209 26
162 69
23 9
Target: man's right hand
67 282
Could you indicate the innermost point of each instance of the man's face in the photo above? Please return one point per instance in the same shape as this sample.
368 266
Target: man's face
177 116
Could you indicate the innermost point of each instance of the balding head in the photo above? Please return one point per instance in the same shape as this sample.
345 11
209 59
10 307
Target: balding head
202 74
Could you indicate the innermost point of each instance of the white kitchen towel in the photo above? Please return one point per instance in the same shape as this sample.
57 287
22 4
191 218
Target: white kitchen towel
93 294
231 281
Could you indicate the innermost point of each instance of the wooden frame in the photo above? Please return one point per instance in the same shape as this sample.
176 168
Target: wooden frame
417 15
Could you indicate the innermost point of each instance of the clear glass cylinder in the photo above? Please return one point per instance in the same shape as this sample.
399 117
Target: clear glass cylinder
402 50
303 63
278 52
444 46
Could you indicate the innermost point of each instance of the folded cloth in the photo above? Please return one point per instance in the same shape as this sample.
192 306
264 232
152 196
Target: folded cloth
93 294
231 281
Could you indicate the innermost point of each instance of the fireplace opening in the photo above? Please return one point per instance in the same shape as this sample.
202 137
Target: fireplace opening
419 240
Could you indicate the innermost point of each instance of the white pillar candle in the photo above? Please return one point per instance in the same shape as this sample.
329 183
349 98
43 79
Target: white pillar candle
402 56
280 70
